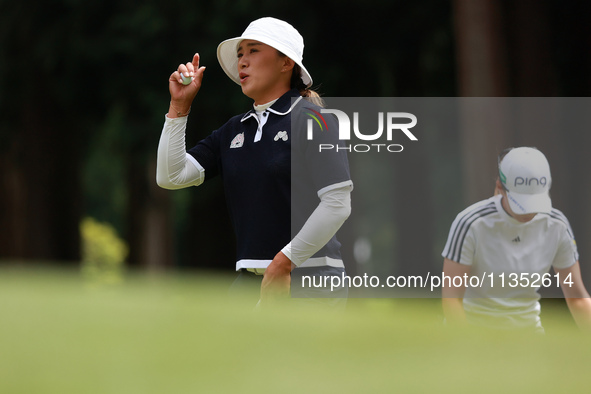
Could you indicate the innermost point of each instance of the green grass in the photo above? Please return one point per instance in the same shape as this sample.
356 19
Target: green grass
184 334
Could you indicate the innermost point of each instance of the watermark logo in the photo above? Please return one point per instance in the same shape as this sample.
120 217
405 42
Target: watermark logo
317 117
390 125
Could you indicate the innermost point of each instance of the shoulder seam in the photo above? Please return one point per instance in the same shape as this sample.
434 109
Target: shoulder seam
463 225
558 215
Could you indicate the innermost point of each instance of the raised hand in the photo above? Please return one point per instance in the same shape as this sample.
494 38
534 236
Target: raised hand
181 95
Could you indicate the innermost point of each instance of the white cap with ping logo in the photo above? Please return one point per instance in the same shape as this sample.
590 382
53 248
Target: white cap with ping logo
525 174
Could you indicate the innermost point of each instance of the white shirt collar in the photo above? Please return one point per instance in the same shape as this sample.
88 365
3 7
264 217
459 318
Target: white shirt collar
263 107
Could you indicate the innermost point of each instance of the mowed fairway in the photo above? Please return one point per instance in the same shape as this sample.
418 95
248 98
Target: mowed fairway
184 334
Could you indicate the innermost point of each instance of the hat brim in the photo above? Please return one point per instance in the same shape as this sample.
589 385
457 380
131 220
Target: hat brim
229 60
522 204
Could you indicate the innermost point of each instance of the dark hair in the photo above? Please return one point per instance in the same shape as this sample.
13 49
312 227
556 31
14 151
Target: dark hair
499 160
297 83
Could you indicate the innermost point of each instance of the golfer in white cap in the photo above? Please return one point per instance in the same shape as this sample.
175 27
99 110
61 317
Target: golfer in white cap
252 153
510 241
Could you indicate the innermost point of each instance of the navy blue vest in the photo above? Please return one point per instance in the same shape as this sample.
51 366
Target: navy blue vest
261 177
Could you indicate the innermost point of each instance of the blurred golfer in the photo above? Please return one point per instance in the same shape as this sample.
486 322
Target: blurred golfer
253 154
512 239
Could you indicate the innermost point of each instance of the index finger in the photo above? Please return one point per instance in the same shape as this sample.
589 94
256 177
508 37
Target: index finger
196 61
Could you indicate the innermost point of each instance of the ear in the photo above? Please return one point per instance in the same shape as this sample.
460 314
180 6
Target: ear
499 189
288 64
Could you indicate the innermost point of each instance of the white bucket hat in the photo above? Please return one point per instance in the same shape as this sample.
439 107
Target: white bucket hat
273 32
525 173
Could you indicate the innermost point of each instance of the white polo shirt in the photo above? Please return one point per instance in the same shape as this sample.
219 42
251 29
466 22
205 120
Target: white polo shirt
485 237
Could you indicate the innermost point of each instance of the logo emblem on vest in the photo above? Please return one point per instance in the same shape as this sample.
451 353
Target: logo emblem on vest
238 141
281 135
516 240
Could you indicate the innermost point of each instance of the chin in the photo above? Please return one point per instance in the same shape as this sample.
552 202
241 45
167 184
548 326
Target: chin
247 92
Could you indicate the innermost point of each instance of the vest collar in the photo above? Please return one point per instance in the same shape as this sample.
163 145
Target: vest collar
282 106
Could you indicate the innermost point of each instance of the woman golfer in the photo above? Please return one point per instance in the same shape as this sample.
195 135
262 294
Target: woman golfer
509 242
263 160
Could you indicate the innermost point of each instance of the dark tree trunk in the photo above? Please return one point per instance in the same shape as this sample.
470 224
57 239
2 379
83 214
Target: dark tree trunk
40 185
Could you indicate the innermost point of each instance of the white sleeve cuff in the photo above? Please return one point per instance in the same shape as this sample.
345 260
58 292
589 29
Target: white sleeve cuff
287 251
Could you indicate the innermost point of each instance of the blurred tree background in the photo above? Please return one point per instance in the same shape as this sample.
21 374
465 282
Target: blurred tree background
83 94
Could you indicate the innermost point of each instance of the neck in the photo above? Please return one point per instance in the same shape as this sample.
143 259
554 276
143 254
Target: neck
505 206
